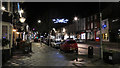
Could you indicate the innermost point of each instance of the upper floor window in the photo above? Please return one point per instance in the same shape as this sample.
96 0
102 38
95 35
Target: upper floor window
7 6
88 19
95 16
91 18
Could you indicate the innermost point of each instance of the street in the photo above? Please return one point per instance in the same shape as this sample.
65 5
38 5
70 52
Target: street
57 34
44 55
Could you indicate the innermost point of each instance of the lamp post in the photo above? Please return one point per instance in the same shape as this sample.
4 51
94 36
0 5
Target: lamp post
21 12
101 46
76 25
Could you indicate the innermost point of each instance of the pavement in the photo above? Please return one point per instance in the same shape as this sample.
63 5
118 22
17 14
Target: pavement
106 45
47 56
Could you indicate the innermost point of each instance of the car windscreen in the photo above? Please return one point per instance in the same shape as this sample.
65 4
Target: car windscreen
71 42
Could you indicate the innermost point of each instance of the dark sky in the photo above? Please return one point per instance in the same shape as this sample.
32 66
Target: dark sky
46 11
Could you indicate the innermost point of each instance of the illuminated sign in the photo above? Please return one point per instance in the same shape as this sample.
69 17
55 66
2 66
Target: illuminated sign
18 6
97 37
60 20
104 26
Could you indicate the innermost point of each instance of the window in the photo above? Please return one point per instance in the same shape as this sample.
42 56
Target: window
95 16
5 4
105 22
88 26
4 32
95 24
71 42
88 19
91 25
91 18
105 36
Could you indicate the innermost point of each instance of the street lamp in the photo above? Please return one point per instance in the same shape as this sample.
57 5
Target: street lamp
22 19
64 29
54 29
39 21
75 18
3 8
21 11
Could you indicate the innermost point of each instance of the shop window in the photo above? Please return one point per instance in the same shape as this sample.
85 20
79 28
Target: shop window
105 36
88 26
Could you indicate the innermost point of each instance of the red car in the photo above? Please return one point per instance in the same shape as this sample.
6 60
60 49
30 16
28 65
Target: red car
69 45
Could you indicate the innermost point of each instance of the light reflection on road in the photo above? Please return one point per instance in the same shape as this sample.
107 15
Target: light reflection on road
82 49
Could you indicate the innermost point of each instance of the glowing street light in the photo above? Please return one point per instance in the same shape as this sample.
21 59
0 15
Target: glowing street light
64 29
17 32
75 18
54 29
14 30
39 21
3 8
21 11
22 19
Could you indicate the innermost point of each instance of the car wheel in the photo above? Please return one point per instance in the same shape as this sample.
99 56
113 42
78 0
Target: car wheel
66 51
60 49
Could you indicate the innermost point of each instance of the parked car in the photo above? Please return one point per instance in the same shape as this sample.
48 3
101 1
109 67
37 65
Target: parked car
56 44
79 41
52 43
69 45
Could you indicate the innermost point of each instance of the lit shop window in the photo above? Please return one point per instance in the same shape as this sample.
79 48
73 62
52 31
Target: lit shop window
83 36
105 36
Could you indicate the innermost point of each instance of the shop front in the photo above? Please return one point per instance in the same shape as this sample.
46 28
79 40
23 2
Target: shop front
105 30
6 35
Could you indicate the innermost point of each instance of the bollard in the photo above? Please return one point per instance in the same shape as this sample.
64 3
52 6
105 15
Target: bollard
30 46
90 52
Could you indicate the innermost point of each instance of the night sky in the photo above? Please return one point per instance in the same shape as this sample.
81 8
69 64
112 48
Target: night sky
46 11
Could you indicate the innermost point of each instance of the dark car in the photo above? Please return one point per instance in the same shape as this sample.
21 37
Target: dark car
69 45
35 40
